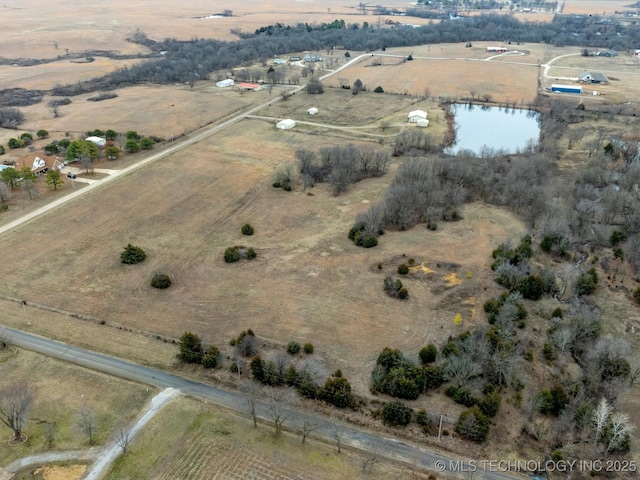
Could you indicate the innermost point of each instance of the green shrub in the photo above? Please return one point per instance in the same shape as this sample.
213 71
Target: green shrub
131 135
403 294
132 254
160 280
247 229
428 354
14 143
531 287
473 425
616 237
548 353
27 138
190 348
51 148
403 269
95 133
2 150
42 134
251 253
308 348
231 254
4 207
378 89
146 143
369 241
636 295
293 348
490 404
337 391
396 413
557 313
587 282
618 253
211 357
257 367
132 146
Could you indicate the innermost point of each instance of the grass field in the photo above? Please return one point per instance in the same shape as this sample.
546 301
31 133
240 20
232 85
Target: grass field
60 392
189 440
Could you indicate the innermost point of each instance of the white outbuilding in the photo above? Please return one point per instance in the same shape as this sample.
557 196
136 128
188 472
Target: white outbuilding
225 83
286 124
99 141
312 111
423 122
417 115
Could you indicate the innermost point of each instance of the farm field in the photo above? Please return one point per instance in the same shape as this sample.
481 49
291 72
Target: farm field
61 390
195 441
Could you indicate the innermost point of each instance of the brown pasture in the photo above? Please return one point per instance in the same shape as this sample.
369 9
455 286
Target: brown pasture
309 282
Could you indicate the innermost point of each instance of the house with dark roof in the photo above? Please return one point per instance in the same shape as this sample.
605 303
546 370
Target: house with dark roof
593 77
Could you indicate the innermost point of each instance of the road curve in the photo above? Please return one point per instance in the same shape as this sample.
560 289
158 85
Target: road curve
390 448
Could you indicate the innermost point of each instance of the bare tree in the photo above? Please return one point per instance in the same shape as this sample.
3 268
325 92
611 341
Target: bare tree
336 433
123 438
369 463
600 418
277 409
55 109
306 429
4 192
251 392
87 423
620 430
15 403
49 431
4 341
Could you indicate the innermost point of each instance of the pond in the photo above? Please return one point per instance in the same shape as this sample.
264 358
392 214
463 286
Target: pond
480 128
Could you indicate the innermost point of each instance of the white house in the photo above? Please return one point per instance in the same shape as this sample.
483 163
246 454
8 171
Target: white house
99 141
417 115
423 122
312 111
225 83
286 124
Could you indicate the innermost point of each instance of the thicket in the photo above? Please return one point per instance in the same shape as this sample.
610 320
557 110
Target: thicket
396 413
340 165
235 253
393 287
191 350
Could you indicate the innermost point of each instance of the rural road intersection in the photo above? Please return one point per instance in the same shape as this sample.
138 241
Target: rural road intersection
372 444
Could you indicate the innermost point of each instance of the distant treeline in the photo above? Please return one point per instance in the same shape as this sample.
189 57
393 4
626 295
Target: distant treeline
186 61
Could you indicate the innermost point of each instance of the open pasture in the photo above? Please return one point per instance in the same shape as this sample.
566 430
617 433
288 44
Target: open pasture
309 282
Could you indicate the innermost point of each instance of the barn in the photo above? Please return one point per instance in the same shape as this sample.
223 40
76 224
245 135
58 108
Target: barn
593 77
417 115
225 83
99 141
286 124
312 111
566 88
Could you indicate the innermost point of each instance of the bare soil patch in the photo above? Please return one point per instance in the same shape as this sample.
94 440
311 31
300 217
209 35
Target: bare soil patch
57 472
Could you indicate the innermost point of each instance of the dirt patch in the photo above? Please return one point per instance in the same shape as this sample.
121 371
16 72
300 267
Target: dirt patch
55 472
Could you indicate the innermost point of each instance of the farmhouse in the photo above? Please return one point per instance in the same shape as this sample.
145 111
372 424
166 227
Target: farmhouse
99 141
286 124
39 163
313 57
225 83
497 49
250 86
566 88
417 115
593 77
312 111
279 61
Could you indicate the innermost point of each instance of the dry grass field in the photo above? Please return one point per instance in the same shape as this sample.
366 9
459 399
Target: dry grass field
595 7
60 392
190 441
308 283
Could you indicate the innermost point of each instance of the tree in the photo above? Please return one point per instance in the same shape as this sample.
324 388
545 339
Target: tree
337 391
396 413
619 430
112 152
378 89
42 134
247 229
231 254
473 425
358 86
211 357
54 179
132 146
146 143
277 410
123 438
306 428
314 86
82 148
29 180
110 135
4 192
87 423
347 55
132 254
191 350
14 143
15 403
11 176
600 418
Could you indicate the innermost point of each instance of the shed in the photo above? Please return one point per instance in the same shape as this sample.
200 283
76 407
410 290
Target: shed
423 122
416 115
250 86
99 141
225 83
566 88
593 77
286 124
312 111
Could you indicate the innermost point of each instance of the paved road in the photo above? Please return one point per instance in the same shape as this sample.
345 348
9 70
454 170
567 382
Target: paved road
368 442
